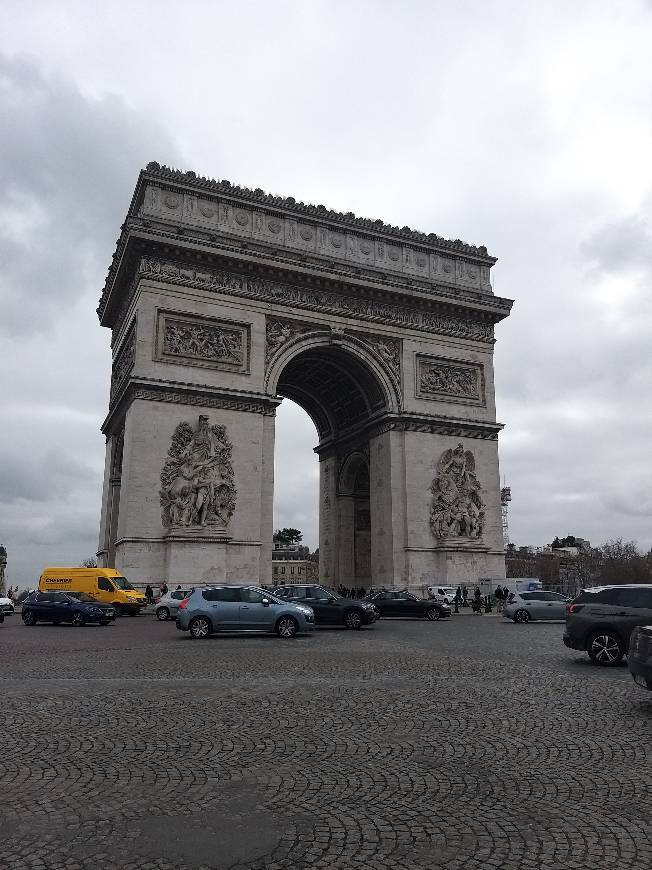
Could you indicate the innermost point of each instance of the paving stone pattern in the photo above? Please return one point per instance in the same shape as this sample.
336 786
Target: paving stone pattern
472 743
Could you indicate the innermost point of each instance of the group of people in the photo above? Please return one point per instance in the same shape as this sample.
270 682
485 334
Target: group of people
345 592
500 594
163 589
12 594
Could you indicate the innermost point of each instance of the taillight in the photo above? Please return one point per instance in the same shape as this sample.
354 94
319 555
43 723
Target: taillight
183 604
573 608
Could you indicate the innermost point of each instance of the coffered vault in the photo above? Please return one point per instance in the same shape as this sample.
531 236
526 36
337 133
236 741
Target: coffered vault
222 300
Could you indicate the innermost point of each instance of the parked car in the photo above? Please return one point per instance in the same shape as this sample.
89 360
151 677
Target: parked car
639 657
329 608
78 608
395 602
6 605
527 606
601 620
241 608
445 594
168 604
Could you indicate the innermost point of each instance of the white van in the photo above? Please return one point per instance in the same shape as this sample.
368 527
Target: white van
445 594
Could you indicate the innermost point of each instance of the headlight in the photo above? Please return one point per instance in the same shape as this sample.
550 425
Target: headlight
306 610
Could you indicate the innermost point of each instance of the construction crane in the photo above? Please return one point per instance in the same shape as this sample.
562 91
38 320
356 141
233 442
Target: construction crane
505 498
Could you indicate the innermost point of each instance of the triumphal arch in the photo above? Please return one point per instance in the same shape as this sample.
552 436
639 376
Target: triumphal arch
223 300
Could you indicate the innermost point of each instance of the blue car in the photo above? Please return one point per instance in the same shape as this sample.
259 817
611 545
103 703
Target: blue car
241 608
76 608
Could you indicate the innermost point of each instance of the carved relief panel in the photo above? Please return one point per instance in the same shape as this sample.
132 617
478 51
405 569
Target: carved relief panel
124 362
449 380
457 509
202 341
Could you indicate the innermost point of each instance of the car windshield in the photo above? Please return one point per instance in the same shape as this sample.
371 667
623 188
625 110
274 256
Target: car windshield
121 582
81 596
273 598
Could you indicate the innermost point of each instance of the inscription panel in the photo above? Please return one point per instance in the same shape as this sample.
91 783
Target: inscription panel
449 380
202 341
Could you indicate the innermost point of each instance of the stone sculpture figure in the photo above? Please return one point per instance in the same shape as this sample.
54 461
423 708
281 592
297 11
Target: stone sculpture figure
457 509
197 479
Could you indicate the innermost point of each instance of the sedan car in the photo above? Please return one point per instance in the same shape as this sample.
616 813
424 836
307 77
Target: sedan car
528 606
168 604
241 608
78 608
6 605
329 608
395 602
639 657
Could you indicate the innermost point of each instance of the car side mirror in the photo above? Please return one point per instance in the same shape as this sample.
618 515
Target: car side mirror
265 602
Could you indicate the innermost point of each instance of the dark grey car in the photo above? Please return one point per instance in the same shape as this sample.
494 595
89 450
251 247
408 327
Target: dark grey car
600 620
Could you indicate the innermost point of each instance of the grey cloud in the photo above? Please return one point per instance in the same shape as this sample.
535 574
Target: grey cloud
621 245
68 169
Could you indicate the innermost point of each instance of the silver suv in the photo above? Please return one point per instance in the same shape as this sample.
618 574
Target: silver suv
241 608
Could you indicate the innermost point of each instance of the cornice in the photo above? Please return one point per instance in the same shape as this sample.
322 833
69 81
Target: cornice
177 393
289 204
211 215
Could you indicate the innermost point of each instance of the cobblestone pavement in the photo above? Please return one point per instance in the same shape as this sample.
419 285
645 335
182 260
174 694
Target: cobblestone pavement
471 743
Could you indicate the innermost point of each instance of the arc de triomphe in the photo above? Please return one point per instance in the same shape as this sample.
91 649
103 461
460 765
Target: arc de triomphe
223 300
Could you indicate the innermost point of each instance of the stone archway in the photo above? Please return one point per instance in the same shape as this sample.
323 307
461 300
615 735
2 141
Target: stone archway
224 300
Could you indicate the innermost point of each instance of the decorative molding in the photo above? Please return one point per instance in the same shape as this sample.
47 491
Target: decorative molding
206 342
328 302
124 362
388 349
449 380
279 331
258 196
223 403
197 480
457 509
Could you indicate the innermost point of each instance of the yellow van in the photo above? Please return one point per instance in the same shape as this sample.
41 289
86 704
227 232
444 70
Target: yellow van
104 584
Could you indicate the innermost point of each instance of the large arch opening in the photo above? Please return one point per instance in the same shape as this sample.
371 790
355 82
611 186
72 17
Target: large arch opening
342 393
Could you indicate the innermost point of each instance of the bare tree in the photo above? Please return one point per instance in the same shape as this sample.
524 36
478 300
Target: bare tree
91 562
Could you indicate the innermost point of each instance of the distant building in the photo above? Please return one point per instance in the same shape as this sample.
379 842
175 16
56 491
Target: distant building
294 570
288 551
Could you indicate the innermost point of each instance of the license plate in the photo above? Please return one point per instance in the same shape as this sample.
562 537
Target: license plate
641 681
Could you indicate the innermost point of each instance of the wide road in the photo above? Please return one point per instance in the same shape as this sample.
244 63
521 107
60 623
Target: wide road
472 743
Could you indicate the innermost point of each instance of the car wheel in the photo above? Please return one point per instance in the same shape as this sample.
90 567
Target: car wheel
605 648
78 619
28 617
521 616
118 609
200 627
287 627
162 613
353 619
432 613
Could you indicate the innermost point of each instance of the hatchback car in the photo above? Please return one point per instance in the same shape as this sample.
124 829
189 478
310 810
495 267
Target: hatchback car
78 608
527 606
395 602
639 657
601 620
241 608
6 605
329 608
168 604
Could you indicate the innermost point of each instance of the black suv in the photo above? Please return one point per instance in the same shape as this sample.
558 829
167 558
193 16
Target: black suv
74 607
601 620
330 609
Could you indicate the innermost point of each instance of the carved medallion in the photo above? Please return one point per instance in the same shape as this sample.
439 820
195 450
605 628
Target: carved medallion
457 508
171 200
241 218
197 479
275 226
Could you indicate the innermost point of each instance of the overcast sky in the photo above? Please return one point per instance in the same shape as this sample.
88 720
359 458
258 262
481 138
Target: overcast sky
525 126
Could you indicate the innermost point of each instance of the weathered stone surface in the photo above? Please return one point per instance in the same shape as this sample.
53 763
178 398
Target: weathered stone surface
222 300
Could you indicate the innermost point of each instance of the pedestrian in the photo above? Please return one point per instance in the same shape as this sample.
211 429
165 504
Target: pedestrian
178 589
477 601
149 594
498 595
164 588
465 597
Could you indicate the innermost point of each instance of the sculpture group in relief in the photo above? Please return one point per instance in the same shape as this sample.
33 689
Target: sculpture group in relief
457 507
197 480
